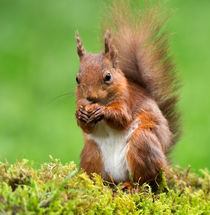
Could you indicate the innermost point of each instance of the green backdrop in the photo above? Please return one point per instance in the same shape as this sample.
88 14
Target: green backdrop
38 63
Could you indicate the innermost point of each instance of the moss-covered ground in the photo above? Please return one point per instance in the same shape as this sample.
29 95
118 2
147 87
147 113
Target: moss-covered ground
54 188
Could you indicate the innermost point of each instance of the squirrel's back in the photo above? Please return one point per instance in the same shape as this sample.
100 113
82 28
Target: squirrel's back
143 55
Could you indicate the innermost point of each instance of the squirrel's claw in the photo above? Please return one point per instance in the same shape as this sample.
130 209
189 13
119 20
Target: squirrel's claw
82 115
88 115
96 116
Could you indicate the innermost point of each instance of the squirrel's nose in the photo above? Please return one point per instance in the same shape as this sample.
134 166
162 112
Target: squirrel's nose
92 98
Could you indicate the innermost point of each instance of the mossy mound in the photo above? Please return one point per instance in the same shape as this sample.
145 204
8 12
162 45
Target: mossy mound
60 189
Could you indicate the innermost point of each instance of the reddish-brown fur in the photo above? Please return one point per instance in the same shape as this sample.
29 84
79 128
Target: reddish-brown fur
143 54
142 89
91 160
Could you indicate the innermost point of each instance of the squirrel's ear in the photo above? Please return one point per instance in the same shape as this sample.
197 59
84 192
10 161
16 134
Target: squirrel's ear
80 49
109 50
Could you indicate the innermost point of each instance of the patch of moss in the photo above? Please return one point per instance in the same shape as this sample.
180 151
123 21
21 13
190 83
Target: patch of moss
62 189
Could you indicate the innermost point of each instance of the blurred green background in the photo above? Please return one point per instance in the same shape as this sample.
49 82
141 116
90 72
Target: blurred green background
38 63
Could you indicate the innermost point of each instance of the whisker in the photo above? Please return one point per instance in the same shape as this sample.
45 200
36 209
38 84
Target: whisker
61 96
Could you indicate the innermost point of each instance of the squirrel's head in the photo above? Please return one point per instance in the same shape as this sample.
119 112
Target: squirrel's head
99 78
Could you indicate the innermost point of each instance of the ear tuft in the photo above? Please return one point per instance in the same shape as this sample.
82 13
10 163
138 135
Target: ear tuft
107 41
80 49
109 50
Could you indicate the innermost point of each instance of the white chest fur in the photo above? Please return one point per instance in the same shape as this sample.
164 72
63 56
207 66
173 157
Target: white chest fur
113 145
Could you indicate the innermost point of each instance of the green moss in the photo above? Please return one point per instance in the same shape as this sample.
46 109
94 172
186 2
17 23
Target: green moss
60 189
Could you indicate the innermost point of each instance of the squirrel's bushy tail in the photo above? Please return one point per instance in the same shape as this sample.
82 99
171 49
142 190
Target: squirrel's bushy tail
143 54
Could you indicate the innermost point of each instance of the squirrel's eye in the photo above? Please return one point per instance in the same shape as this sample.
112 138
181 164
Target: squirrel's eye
108 77
77 80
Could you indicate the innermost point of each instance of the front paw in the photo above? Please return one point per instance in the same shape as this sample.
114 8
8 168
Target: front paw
96 115
82 115
91 113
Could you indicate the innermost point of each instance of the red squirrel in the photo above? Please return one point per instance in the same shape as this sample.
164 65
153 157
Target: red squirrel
126 99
